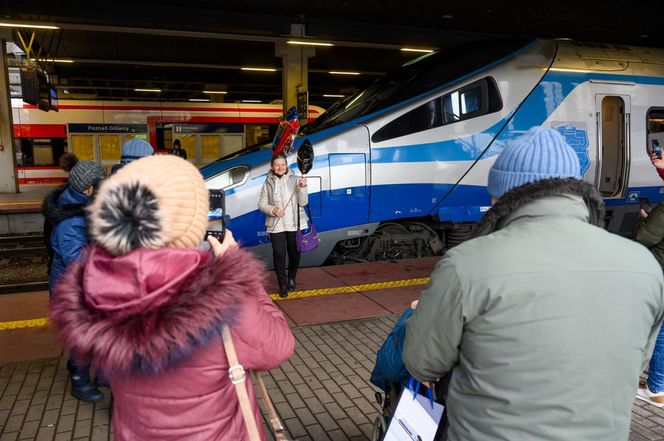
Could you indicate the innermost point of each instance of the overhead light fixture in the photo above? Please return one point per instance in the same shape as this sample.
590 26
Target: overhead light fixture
147 90
30 26
260 69
212 92
309 43
251 101
339 72
330 95
53 60
410 49
200 100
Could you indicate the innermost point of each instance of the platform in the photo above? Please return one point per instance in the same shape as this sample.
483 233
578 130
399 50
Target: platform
340 316
20 213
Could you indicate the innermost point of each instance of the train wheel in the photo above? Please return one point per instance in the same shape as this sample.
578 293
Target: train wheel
390 241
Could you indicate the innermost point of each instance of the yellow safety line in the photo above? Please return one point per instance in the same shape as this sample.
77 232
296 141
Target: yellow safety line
19 324
22 203
349 289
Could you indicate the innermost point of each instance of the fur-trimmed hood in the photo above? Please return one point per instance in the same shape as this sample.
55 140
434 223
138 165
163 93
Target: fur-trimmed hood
146 310
526 194
63 203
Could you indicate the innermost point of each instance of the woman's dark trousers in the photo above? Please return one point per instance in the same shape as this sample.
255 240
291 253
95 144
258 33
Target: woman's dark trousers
282 244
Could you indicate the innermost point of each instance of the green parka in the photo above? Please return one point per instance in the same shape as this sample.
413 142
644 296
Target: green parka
650 232
545 323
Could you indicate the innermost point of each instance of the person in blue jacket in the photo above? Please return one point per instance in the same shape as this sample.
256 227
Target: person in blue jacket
390 367
66 226
132 150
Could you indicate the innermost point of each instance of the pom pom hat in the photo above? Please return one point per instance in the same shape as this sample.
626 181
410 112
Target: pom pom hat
85 174
153 202
539 154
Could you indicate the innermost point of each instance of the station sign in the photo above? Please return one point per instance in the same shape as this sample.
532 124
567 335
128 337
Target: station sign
107 128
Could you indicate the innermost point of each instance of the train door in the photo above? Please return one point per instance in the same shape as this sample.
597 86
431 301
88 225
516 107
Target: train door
188 144
109 150
83 146
349 181
613 147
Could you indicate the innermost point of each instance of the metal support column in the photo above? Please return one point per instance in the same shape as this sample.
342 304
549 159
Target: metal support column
8 176
295 68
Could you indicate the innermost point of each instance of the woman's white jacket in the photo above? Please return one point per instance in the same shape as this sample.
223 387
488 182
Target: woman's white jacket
276 192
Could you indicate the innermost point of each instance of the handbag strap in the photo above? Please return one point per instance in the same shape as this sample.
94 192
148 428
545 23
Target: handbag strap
238 378
277 427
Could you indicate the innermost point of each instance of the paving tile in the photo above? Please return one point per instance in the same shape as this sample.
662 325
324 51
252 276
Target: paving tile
29 430
45 433
82 429
14 423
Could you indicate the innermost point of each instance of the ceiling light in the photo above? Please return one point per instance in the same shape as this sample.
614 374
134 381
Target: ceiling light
200 100
410 49
338 72
309 43
330 95
251 101
260 69
147 90
53 60
31 26
212 92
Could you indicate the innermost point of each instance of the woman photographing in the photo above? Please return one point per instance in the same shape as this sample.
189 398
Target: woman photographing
282 197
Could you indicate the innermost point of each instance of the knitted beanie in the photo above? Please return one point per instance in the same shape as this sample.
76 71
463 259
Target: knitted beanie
153 202
135 148
539 154
84 175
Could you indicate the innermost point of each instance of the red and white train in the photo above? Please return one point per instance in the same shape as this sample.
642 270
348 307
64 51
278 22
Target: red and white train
96 130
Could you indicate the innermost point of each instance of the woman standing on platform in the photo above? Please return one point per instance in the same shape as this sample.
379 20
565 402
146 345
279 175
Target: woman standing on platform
282 197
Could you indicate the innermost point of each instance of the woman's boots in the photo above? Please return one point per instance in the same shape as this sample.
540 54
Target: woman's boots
81 387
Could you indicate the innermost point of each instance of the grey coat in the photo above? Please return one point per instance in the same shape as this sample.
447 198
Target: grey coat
266 201
545 323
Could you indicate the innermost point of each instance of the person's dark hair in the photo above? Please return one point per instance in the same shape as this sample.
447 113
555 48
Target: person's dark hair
278 156
176 143
68 161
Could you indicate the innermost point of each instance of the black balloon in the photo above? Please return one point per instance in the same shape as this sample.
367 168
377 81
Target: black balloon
305 157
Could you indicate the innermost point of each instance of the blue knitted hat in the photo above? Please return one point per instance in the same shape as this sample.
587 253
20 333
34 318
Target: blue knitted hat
539 154
135 148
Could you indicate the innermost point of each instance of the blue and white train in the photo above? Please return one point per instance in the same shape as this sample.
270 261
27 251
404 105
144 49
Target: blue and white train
401 168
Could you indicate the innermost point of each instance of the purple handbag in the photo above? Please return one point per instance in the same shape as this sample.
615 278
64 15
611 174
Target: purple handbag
308 241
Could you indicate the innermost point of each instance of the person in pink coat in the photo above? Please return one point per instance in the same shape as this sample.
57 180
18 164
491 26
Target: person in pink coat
147 303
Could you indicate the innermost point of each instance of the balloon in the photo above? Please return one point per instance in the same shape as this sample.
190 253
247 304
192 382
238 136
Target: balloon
305 157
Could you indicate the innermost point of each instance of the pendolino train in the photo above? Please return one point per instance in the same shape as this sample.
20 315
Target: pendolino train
401 168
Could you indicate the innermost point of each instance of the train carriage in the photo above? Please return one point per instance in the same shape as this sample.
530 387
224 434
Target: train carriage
401 168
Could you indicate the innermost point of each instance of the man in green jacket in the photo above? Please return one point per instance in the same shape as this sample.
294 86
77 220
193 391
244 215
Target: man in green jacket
544 320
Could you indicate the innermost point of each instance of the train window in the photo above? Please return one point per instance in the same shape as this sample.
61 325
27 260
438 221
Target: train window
229 178
476 99
655 131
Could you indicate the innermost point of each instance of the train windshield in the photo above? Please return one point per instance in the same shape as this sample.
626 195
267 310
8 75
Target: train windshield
417 77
